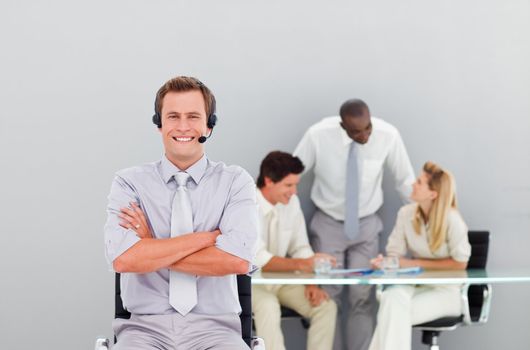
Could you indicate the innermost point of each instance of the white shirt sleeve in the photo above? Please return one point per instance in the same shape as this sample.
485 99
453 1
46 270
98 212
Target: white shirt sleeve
263 255
239 222
306 151
397 241
299 245
398 163
117 238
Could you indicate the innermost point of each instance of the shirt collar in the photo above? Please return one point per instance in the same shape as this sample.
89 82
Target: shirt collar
265 206
346 140
196 171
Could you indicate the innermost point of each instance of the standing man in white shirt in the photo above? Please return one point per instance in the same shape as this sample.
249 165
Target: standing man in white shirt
348 154
284 246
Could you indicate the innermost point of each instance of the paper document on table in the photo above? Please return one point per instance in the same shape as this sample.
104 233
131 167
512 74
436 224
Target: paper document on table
362 272
402 271
410 270
351 271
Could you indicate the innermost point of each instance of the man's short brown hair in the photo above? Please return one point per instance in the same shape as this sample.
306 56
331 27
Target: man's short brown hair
181 84
277 165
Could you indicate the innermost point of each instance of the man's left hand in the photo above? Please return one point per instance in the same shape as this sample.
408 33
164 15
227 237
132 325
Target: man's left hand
134 218
315 295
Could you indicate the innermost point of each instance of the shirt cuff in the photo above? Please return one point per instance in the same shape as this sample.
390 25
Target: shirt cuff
251 269
238 249
117 246
262 258
303 254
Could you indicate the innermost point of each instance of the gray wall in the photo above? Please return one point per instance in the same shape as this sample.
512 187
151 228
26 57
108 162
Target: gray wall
76 92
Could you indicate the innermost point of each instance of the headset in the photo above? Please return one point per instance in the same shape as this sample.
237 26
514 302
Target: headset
212 118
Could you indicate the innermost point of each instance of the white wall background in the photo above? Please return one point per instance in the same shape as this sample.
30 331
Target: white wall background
77 81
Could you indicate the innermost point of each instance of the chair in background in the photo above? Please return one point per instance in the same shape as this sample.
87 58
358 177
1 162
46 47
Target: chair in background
289 314
244 292
476 298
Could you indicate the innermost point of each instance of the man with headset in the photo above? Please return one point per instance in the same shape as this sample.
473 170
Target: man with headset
179 230
348 154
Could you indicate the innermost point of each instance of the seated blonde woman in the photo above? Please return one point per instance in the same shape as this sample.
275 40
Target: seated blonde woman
433 232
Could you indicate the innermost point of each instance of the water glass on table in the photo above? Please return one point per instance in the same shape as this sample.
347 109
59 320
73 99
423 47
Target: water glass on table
322 265
390 265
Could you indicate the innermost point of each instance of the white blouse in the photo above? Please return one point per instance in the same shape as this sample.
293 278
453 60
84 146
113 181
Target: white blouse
404 238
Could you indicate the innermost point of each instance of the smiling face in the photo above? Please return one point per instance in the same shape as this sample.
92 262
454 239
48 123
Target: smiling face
183 117
281 191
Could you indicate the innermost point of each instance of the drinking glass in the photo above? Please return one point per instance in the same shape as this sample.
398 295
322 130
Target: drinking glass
390 265
322 265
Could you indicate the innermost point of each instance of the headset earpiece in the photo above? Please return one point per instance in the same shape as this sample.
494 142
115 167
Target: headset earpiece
212 120
156 120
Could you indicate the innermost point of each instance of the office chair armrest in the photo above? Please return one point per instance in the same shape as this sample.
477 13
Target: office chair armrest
484 308
485 312
102 344
465 303
379 291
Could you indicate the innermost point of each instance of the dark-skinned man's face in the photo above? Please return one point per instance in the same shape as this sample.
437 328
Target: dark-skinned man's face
358 128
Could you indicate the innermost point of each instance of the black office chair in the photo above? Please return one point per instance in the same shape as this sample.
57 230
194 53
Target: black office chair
287 314
290 314
244 291
476 298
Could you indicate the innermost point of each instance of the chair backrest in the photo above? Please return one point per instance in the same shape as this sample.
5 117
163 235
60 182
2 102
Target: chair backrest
245 299
479 241
243 288
119 311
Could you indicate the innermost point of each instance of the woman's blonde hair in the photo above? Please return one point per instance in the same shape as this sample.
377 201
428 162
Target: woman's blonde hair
442 182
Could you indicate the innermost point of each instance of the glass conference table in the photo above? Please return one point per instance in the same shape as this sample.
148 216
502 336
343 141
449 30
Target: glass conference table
466 279
471 276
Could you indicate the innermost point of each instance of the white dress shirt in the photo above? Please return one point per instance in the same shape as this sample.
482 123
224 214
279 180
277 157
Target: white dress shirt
325 148
404 238
284 235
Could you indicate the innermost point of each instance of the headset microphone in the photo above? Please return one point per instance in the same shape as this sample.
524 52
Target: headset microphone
202 138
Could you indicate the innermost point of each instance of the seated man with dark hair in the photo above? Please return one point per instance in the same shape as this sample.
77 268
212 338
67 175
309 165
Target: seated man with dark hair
284 246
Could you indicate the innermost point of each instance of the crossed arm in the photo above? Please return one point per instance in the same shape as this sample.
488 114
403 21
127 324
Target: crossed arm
193 253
